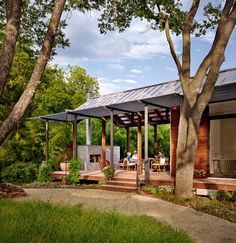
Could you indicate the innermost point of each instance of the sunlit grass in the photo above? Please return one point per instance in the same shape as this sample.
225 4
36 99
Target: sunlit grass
44 222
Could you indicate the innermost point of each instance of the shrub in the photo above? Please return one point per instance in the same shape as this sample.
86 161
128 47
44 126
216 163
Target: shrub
20 173
233 194
199 174
108 173
44 171
74 171
223 196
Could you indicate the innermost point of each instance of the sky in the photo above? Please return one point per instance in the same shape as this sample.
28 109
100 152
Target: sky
135 58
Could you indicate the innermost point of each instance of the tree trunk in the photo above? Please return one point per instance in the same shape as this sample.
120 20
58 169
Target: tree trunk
13 13
28 95
186 150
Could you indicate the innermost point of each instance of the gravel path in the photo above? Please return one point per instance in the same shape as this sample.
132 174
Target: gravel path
201 226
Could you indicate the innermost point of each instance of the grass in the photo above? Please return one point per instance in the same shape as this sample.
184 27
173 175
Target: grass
222 209
44 222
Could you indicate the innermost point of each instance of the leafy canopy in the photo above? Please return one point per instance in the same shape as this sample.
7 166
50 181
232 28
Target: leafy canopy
118 15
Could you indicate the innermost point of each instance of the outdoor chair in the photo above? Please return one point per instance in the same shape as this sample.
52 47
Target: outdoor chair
160 164
131 166
155 164
123 164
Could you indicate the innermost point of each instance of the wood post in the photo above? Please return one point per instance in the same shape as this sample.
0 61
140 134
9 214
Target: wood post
75 137
112 138
103 155
155 139
147 166
127 140
139 145
47 139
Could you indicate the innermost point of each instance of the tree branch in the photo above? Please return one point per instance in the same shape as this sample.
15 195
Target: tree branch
204 66
172 48
186 59
224 31
13 13
35 80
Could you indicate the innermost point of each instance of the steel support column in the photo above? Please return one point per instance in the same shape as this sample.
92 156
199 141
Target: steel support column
75 137
112 138
127 139
139 145
47 139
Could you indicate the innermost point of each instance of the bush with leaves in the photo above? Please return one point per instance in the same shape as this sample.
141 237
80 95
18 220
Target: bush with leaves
20 173
44 171
108 172
74 171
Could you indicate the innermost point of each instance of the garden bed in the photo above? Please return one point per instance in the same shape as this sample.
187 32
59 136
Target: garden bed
220 204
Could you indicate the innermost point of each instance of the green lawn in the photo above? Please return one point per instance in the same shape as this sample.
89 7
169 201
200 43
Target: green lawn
44 222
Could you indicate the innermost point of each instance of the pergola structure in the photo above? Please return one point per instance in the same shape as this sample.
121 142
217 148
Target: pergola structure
151 105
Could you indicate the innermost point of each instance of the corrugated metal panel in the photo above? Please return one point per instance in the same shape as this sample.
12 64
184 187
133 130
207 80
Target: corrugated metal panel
133 95
173 87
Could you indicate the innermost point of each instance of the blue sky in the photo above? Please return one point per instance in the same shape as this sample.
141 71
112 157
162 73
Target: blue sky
132 59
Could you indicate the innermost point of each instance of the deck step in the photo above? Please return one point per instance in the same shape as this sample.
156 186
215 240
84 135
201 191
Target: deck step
122 183
119 188
124 179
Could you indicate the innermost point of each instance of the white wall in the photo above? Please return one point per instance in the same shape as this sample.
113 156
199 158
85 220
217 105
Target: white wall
84 152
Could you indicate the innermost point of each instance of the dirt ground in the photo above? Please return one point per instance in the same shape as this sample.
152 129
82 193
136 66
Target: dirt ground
201 226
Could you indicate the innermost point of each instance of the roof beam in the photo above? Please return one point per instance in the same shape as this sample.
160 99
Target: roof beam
118 109
118 120
153 104
80 114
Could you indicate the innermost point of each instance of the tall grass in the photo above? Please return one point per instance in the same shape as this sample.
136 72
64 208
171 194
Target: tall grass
44 222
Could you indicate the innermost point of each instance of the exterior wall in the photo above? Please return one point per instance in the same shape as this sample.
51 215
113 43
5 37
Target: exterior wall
85 151
202 157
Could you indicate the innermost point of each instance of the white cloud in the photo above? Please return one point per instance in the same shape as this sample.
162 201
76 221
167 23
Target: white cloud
171 69
209 37
132 76
136 71
116 66
88 44
127 81
108 87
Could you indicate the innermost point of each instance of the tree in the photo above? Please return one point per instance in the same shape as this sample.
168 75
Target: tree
168 16
27 96
60 90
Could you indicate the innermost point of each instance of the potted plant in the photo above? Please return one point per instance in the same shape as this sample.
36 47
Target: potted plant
65 164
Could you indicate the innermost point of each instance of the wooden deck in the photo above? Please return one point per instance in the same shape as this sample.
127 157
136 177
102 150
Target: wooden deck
156 178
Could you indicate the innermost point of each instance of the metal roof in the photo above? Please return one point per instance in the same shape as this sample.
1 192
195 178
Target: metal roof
164 95
59 117
160 96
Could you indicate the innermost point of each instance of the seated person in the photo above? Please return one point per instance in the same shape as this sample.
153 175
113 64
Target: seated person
128 159
135 155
